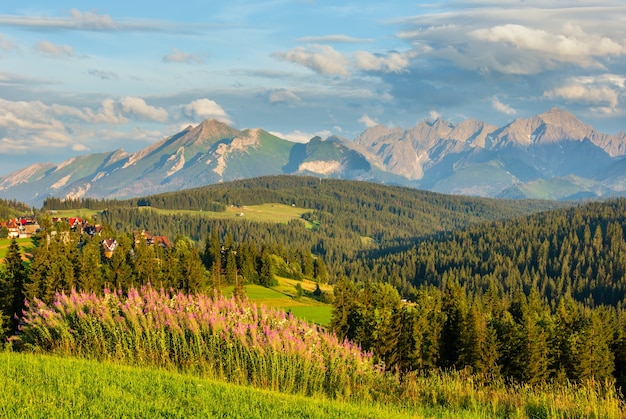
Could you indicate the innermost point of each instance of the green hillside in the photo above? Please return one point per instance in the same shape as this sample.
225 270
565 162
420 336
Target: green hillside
38 386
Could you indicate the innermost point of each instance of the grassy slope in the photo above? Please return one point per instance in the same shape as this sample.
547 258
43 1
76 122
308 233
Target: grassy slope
26 247
282 297
271 213
37 386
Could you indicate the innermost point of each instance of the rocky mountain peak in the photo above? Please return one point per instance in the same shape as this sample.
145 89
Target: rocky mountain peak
211 129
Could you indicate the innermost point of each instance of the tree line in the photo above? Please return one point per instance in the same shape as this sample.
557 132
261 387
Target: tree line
65 260
493 336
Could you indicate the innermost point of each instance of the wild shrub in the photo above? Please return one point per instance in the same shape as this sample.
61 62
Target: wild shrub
211 336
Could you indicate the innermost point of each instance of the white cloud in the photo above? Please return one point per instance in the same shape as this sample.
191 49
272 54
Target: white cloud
298 136
177 56
338 38
282 96
393 62
85 21
502 107
201 109
90 20
367 121
322 59
52 50
433 115
138 106
602 92
571 44
107 114
586 94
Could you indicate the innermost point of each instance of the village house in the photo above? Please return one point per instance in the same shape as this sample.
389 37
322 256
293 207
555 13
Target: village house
20 227
151 240
108 246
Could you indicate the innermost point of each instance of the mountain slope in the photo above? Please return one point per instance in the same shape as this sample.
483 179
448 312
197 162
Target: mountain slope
472 158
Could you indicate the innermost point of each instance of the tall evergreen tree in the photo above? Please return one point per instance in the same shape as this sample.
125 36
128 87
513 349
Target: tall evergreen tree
13 286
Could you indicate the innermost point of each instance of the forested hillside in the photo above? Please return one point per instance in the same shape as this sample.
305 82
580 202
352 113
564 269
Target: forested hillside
350 217
520 291
12 208
534 299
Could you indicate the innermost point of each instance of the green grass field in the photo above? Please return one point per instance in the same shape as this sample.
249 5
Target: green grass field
41 386
26 247
283 297
81 212
271 213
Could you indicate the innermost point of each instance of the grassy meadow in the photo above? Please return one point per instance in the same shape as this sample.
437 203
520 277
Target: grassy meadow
154 354
269 213
43 386
26 248
284 297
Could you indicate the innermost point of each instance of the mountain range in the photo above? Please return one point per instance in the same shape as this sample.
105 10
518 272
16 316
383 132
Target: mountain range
553 155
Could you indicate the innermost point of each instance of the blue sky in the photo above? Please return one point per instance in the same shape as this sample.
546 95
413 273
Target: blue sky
79 77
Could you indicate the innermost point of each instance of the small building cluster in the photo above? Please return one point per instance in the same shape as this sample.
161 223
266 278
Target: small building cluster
151 240
20 227
109 245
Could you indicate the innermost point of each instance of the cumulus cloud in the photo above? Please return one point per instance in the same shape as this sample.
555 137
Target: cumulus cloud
433 115
571 44
521 39
139 107
201 109
28 124
177 56
603 92
53 50
393 62
46 129
322 59
367 121
108 113
103 74
90 20
298 136
502 107
282 96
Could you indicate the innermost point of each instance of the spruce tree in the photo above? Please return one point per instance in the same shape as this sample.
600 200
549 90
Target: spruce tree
13 283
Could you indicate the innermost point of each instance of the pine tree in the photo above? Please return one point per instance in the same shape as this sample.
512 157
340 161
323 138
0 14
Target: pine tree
454 307
321 274
266 270
13 284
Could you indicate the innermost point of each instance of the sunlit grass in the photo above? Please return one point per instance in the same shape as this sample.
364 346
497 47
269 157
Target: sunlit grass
271 213
26 247
43 386
283 298
241 343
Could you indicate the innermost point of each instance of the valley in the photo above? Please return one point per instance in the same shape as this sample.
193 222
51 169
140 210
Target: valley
522 295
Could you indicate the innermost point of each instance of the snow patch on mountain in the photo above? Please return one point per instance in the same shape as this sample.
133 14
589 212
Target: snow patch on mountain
179 159
65 164
61 182
79 192
321 167
242 143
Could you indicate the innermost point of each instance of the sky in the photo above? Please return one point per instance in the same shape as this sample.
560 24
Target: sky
80 77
